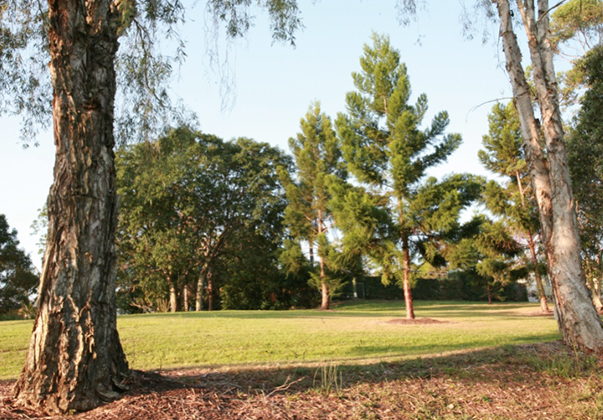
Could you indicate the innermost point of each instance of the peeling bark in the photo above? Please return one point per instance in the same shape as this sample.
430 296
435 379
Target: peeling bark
577 317
75 360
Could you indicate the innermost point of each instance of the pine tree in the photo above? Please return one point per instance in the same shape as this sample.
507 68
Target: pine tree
513 202
389 155
317 155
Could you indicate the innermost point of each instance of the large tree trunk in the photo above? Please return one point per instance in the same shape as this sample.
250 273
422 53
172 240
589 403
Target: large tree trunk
75 360
578 319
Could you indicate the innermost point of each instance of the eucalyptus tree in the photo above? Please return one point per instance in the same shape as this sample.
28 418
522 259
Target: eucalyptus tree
513 201
62 56
547 162
389 155
317 155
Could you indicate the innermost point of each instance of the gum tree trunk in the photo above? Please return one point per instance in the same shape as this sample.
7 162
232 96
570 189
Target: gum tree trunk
75 360
577 317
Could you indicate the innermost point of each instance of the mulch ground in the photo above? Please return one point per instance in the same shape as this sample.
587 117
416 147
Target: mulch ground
543 381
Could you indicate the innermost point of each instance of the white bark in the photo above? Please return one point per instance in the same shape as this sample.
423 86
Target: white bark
578 319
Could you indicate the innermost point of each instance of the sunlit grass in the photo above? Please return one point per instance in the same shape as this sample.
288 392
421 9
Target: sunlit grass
350 331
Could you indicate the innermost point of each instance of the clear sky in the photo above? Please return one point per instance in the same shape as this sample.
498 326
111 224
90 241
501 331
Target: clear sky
275 84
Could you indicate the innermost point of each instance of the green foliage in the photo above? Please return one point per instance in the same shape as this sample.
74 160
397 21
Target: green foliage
576 25
194 205
578 20
511 201
144 68
318 163
585 156
18 280
389 154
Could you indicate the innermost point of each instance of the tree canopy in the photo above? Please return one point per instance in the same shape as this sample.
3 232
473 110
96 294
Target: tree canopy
389 154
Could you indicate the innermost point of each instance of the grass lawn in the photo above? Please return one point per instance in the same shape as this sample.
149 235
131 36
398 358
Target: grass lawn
349 332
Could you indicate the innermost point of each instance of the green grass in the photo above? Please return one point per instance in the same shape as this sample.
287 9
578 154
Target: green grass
350 331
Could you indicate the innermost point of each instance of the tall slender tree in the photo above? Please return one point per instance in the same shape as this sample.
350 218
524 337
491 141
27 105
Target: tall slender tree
389 154
513 201
317 156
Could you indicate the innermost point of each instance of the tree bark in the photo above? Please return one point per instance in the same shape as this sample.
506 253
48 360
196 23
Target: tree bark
578 319
186 298
210 292
173 296
324 288
408 303
199 295
544 305
75 360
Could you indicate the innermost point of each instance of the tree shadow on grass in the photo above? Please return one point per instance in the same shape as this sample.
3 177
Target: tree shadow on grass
502 382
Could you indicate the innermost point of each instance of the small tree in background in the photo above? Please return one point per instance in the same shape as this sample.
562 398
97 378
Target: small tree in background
487 253
513 201
317 156
18 280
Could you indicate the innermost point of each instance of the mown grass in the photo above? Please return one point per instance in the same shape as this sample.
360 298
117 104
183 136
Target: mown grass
350 331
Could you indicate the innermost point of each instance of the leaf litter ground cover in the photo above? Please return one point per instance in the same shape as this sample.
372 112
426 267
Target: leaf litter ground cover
533 381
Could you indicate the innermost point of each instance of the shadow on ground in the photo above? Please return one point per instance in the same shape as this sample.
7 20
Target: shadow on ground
520 382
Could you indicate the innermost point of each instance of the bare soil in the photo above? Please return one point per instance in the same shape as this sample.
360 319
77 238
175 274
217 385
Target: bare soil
543 381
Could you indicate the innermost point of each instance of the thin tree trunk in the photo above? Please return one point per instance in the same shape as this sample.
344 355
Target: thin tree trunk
544 307
200 285
489 291
173 296
324 288
186 298
210 292
578 319
75 360
410 310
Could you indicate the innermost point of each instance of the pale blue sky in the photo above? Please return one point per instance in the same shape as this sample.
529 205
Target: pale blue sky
275 84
